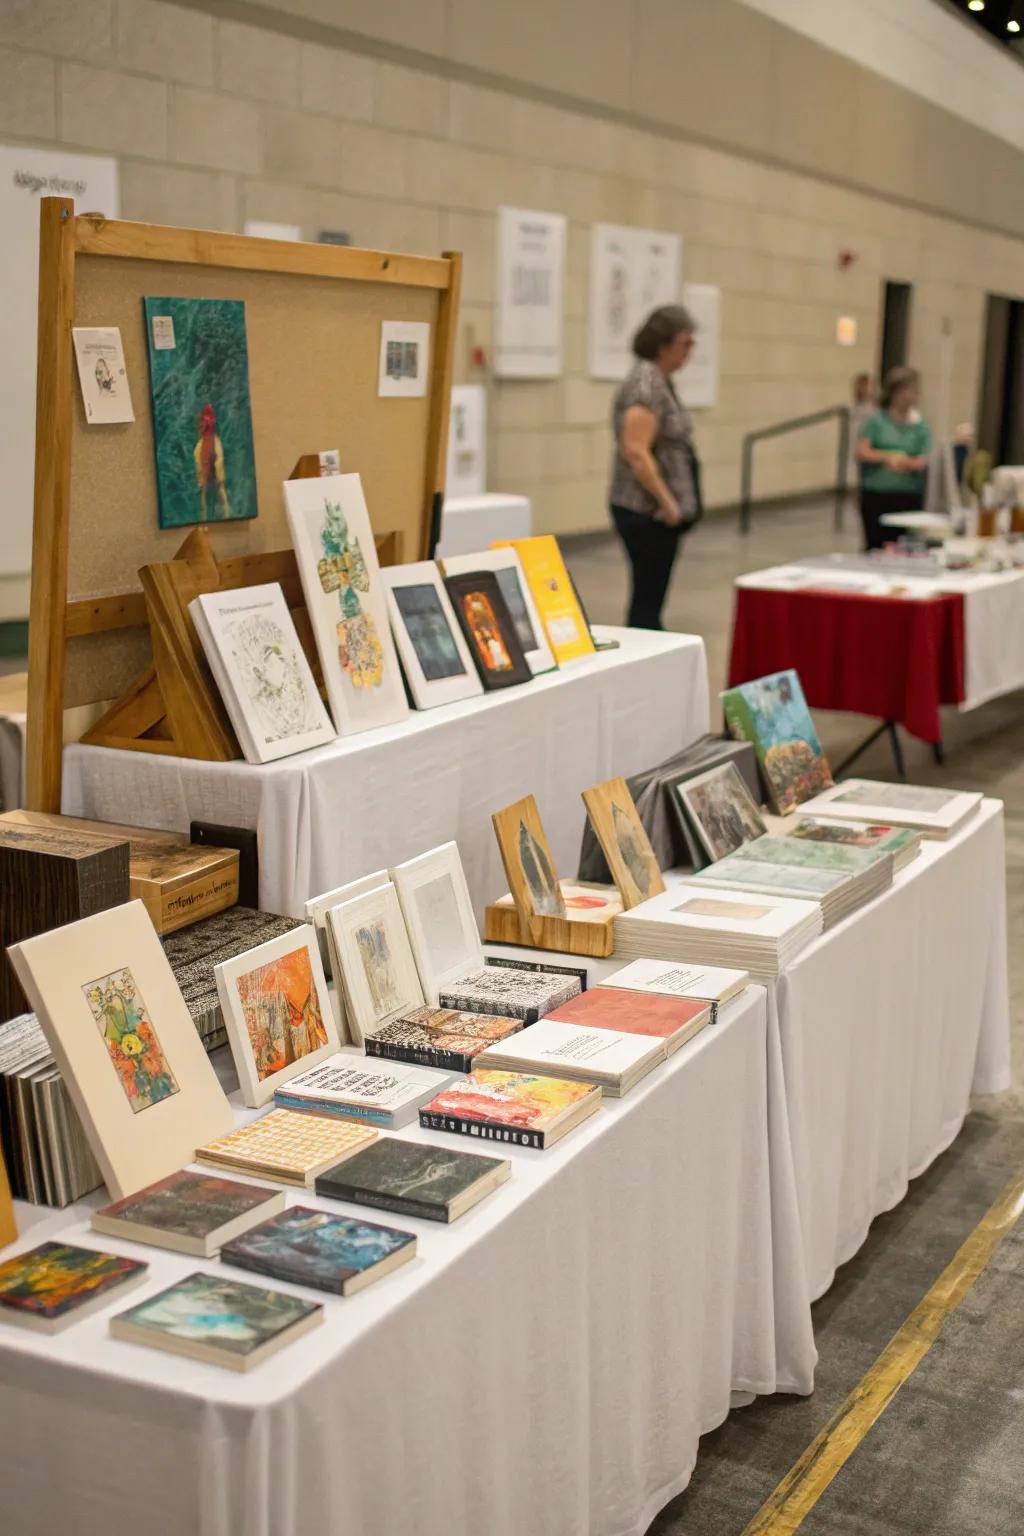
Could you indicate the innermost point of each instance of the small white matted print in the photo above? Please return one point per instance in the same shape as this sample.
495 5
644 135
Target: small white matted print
124 1040
404 357
721 810
438 666
102 374
377 966
277 1011
346 600
442 929
515 589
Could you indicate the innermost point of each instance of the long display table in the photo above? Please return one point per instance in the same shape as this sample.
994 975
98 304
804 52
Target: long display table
331 815
547 1364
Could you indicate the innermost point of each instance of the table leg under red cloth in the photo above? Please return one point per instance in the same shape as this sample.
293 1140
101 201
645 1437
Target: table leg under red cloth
895 658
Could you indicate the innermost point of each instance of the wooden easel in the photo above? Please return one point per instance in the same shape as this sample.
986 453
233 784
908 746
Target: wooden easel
110 588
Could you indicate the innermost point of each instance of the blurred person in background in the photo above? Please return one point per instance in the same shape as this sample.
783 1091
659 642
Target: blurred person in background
862 405
892 449
654 494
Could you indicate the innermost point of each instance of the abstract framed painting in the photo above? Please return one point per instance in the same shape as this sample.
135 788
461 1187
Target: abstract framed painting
278 1012
202 415
515 589
435 657
378 970
486 622
124 1040
346 600
435 899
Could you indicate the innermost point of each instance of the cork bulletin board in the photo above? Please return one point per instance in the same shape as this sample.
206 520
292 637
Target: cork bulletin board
313 325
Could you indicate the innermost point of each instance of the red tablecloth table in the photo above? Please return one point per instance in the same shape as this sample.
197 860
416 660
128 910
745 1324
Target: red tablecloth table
896 658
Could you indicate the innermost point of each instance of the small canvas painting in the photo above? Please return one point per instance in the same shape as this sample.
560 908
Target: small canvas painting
721 810
56 1279
318 1248
772 714
282 1012
202 415
133 1046
222 1315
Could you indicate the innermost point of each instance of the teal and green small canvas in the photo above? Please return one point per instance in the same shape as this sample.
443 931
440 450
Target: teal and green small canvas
202 414
771 713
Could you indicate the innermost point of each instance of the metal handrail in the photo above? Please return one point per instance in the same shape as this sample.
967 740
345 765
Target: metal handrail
782 427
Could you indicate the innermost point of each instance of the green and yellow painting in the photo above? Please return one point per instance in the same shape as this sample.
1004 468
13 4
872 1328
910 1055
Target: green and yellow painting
202 415
119 1010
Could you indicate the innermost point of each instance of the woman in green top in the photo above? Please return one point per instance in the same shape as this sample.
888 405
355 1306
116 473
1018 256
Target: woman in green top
893 450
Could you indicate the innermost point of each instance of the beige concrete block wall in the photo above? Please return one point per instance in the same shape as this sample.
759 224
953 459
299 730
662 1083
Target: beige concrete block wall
214 122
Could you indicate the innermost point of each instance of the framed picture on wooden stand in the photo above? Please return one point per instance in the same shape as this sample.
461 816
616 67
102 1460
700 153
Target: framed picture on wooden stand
624 841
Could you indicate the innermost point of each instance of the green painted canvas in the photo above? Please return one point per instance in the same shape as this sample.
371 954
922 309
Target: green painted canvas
202 415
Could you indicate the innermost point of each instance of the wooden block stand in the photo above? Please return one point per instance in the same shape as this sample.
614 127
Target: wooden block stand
572 936
109 623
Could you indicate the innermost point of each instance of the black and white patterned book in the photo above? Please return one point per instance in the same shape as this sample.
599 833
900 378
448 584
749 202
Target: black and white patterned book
518 994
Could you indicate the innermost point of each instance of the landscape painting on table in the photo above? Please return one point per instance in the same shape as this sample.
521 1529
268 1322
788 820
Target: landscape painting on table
721 810
772 714
282 1012
131 1041
202 415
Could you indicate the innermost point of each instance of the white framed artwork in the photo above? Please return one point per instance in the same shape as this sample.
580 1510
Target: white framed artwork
698 381
467 442
439 918
346 600
438 666
375 958
404 358
632 271
515 589
528 329
277 1012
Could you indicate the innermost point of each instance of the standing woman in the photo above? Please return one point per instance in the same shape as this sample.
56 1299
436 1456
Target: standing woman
893 449
655 482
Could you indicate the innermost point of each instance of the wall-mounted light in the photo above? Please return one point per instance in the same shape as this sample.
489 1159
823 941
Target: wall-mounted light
975 5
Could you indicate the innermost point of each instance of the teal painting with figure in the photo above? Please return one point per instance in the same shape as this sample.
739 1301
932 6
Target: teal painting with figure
202 416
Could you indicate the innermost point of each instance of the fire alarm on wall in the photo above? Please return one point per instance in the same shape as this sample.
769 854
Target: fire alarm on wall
846 259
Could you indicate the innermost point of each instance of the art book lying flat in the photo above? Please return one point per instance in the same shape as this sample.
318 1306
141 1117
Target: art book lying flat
189 1212
356 1089
58 1283
524 1109
673 1020
287 1147
615 1060
446 1038
503 989
932 812
437 1183
712 983
217 1320
331 1253
261 670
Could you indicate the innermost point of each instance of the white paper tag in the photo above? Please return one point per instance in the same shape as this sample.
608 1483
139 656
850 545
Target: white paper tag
330 461
163 333
102 375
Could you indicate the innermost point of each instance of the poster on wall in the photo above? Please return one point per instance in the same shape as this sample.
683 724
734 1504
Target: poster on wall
531 275
632 271
467 442
698 381
26 175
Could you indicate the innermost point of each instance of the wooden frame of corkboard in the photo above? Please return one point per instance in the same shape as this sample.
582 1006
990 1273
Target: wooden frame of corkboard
313 324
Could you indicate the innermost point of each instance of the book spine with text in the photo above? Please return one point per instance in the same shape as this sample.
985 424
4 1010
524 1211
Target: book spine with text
579 971
419 1055
364 1112
397 1203
485 1130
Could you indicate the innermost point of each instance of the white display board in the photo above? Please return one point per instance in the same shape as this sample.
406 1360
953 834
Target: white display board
632 271
698 381
531 278
263 230
26 175
467 442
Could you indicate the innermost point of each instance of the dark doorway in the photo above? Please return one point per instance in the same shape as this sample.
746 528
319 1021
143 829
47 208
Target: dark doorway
1001 407
895 326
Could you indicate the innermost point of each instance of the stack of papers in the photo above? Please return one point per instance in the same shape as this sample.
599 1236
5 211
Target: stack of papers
932 812
761 934
903 843
840 878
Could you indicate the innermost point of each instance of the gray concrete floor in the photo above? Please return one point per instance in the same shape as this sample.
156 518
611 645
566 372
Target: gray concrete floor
945 1458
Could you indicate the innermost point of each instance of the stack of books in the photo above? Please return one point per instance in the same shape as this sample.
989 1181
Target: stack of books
692 923
903 843
706 983
933 812
48 1158
672 1020
840 878
352 1088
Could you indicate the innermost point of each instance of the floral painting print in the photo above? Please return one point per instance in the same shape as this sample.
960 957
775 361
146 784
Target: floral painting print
342 569
132 1044
282 1012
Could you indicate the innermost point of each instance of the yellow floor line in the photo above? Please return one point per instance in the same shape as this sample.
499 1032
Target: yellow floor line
803 1485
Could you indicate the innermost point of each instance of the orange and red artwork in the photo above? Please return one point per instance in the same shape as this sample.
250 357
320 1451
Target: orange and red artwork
486 632
283 1017
133 1046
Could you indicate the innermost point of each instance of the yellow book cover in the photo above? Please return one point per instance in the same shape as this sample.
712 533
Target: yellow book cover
553 592
287 1145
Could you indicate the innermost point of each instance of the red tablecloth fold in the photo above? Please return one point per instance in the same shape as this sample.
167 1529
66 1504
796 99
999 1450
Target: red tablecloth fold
890 657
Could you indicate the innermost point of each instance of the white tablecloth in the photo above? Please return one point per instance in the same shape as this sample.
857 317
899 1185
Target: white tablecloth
888 1023
472 523
546 1365
369 801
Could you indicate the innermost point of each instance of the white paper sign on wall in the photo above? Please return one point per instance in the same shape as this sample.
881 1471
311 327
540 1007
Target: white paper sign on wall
26 175
632 271
531 278
467 442
697 382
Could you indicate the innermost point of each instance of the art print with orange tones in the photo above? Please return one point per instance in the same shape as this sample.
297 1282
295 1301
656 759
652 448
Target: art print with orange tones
133 1046
282 1012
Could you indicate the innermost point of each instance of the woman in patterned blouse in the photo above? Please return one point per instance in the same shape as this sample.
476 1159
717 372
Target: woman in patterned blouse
655 482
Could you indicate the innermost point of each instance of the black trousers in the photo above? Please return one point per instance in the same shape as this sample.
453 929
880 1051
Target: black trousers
875 504
652 548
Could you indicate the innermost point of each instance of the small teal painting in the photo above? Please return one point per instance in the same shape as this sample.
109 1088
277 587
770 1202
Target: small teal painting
202 415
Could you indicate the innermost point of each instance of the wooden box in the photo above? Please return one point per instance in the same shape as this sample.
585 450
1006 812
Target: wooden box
49 876
178 881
